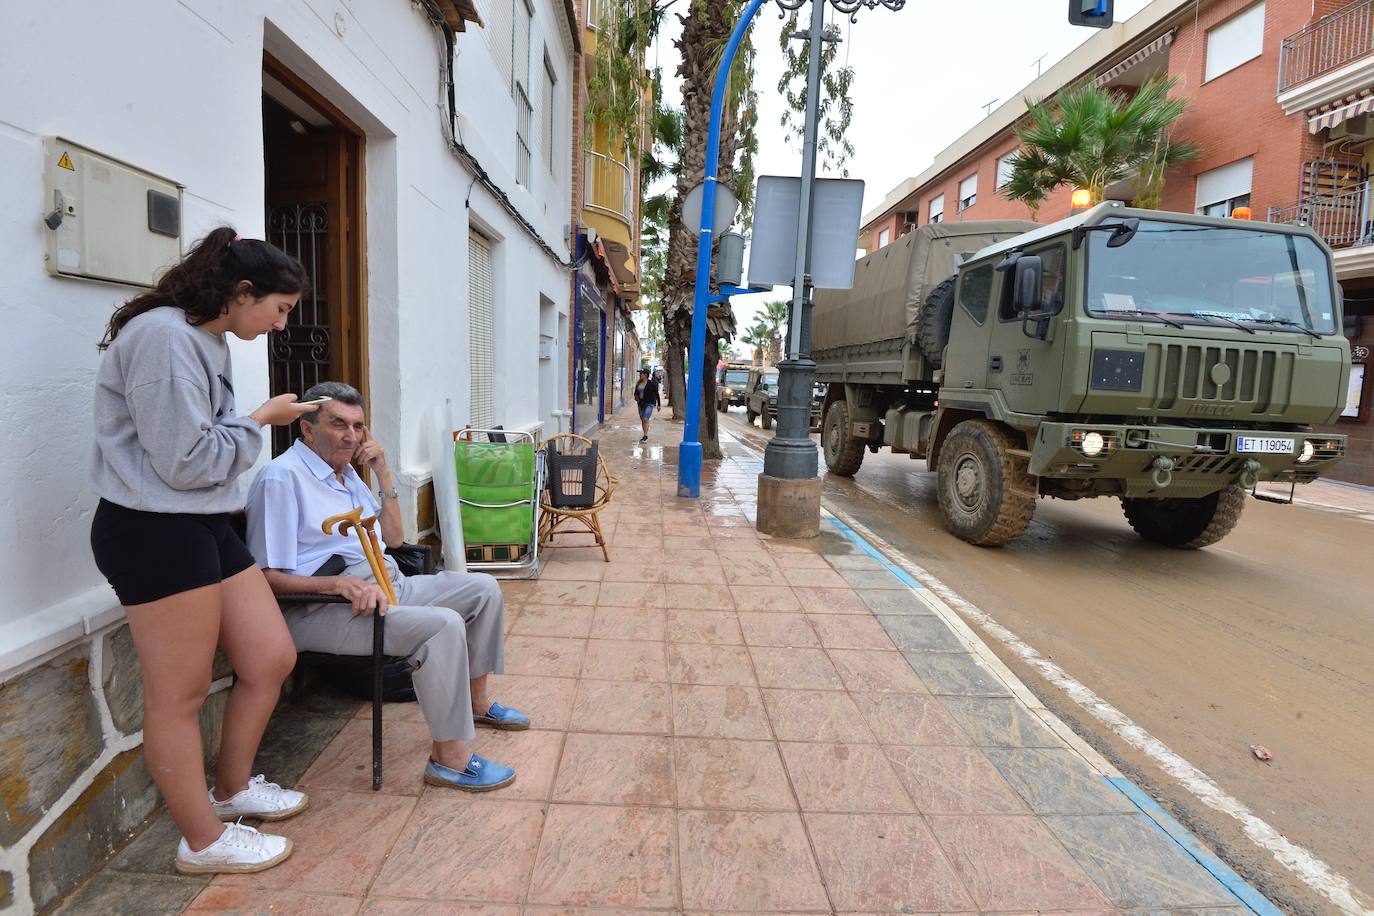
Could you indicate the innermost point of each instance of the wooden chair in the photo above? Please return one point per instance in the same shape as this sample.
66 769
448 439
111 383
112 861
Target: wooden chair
579 487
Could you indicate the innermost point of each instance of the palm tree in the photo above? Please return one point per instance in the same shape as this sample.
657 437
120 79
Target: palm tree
759 337
1092 138
774 318
706 28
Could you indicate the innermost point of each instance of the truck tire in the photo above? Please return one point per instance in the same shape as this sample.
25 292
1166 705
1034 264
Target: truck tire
987 496
766 419
722 406
933 321
749 415
843 453
1186 523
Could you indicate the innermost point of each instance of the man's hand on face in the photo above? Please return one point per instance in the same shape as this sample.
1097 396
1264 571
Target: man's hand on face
365 596
370 452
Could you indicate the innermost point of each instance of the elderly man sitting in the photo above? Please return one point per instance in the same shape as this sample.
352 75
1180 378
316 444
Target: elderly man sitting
450 626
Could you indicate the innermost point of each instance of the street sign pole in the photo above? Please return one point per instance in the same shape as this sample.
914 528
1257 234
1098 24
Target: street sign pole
790 454
689 454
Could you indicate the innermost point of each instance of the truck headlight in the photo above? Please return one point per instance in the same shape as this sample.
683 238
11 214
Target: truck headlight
729 391
1093 444
1308 450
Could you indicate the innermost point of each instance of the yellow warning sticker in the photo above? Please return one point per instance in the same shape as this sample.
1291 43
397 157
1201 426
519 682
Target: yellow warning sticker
66 163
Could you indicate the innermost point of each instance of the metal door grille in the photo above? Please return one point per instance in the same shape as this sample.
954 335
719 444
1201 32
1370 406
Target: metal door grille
299 356
480 342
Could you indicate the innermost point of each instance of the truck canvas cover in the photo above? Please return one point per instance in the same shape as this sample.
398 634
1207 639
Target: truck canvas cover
891 283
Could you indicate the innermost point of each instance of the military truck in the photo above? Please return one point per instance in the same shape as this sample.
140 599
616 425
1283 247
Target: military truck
730 385
1168 360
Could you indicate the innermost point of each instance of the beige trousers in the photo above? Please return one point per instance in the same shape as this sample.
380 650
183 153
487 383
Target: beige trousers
450 626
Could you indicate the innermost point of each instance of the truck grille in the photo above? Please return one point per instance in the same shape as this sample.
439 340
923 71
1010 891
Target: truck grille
1185 381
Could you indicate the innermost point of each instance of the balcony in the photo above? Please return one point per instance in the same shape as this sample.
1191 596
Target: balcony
609 186
1344 220
1329 59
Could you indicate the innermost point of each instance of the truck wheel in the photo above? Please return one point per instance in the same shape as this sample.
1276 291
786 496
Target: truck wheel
722 406
933 321
766 419
987 497
1186 523
843 453
749 415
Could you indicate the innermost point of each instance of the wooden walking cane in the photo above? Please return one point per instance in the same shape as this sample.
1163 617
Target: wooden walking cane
362 527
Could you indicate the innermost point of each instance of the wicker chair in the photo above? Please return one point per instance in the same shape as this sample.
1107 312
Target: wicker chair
579 487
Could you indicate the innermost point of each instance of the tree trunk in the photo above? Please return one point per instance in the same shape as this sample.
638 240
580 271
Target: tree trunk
710 434
674 369
706 29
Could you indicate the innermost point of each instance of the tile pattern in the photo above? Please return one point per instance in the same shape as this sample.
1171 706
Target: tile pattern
723 722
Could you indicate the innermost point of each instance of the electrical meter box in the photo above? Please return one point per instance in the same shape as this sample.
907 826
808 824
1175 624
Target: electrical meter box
105 219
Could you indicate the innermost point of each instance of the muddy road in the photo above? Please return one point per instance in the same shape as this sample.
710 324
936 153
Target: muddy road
1265 638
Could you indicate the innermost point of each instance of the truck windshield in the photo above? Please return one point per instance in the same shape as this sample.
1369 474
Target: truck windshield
1175 272
736 378
770 381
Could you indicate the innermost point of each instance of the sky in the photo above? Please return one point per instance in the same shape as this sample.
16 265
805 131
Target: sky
922 77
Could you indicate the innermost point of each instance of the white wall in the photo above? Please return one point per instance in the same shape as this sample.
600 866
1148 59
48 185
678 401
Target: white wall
175 88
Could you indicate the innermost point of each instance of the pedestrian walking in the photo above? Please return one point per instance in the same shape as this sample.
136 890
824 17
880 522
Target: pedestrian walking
646 399
169 451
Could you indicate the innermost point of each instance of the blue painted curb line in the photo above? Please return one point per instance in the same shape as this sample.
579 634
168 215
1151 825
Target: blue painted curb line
902 575
1253 899
1163 821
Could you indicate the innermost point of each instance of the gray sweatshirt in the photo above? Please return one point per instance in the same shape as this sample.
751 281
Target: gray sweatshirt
166 437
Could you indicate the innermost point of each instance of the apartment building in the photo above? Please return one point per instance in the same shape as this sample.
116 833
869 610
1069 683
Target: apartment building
1281 104
605 348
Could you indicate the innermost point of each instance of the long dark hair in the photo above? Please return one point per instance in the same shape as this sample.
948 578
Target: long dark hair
202 283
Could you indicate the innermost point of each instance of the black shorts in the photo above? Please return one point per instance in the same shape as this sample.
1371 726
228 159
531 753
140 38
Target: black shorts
151 555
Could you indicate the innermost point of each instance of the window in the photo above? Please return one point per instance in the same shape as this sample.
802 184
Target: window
975 290
937 208
1235 41
499 30
546 124
1051 284
1004 169
884 237
968 192
480 333
520 44
1221 190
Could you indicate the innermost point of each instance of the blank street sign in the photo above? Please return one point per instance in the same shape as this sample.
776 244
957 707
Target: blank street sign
836 208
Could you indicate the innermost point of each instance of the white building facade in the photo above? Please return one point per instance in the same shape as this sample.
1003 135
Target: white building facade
415 155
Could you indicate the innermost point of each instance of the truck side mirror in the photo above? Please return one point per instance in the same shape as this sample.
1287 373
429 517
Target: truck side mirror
1028 282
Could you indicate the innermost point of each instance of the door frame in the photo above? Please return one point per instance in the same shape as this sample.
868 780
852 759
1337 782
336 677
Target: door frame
353 277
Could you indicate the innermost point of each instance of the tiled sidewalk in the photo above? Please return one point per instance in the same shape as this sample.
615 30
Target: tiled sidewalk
726 723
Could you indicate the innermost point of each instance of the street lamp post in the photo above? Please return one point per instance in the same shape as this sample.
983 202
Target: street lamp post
789 487
790 459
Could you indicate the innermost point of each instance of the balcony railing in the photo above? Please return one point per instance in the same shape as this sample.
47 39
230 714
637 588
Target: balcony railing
1328 43
608 186
1343 219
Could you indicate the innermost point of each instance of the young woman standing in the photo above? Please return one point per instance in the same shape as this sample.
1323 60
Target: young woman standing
169 450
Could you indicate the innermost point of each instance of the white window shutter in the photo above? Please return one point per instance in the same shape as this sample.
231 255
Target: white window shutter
1235 41
499 29
480 342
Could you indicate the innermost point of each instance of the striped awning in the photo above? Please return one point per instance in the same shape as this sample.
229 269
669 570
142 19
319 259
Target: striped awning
1320 122
1158 44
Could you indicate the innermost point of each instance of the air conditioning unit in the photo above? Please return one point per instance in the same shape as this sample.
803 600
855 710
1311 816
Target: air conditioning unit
1359 127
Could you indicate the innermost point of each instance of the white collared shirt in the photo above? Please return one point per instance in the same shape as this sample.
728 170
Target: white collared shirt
287 504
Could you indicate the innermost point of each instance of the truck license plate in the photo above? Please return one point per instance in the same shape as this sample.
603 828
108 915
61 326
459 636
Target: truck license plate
1264 446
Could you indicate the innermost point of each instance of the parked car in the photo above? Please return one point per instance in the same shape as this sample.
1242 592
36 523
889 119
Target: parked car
730 386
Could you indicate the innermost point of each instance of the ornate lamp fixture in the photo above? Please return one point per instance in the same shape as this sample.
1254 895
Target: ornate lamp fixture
849 8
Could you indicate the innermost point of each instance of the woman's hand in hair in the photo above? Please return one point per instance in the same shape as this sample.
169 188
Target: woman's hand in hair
281 411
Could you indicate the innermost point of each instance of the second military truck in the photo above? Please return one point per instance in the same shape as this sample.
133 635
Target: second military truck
1168 360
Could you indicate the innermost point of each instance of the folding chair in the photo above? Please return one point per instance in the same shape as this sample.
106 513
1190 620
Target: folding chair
498 499
579 487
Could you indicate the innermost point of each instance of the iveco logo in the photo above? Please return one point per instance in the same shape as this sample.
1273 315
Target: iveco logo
1211 410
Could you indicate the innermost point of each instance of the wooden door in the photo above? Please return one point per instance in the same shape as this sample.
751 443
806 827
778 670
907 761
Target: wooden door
311 181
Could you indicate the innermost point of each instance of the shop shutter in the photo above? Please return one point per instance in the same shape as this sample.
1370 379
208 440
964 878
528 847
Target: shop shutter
480 309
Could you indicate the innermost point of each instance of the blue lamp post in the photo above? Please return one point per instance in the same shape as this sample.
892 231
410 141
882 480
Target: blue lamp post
793 376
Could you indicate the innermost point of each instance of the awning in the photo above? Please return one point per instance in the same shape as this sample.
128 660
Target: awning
1320 122
1158 44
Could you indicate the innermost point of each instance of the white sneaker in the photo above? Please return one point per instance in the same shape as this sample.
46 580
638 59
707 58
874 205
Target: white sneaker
239 850
263 800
